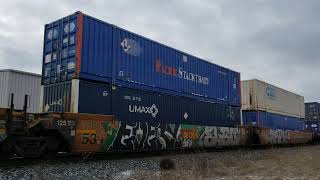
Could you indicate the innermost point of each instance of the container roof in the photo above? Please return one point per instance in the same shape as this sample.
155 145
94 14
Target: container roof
248 80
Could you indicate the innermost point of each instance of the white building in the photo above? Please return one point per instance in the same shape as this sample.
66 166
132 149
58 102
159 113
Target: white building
20 84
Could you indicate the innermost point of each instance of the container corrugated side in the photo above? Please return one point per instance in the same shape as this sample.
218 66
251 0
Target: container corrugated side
272 120
131 105
80 46
134 105
20 84
258 95
312 111
141 62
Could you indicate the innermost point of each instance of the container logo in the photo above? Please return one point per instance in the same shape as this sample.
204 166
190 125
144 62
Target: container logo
180 73
131 47
152 110
271 92
53 103
105 93
57 102
314 125
69 27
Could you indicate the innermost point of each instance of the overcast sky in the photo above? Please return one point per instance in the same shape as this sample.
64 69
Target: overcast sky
275 41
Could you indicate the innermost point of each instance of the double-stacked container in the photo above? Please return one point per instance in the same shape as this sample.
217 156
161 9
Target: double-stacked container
94 67
268 106
312 111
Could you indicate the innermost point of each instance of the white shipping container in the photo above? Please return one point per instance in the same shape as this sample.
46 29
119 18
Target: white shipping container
259 95
20 84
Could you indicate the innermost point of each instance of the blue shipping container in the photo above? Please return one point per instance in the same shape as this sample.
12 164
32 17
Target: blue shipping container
77 96
132 105
272 120
82 47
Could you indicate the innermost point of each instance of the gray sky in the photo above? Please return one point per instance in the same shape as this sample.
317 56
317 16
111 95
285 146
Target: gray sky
275 41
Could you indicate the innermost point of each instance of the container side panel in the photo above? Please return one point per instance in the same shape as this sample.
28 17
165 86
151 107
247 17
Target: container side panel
234 87
94 98
312 111
57 97
272 120
131 105
249 118
258 95
59 52
96 63
109 53
145 63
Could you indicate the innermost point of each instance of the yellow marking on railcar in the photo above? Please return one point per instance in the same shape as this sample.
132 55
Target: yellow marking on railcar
86 131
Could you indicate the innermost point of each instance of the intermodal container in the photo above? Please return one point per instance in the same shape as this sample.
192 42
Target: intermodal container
77 96
312 110
261 96
272 120
82 47
314 126
131 105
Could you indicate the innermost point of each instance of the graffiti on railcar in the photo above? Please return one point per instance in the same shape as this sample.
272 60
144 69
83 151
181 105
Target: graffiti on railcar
148 136
219 136
111 129
142 135
189 135
277 136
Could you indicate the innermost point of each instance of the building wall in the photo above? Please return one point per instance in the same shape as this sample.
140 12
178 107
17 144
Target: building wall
20 84
4 79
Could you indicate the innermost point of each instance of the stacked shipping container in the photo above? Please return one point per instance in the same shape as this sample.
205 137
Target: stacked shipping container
268 106
312 111
272 120
95 67
313 116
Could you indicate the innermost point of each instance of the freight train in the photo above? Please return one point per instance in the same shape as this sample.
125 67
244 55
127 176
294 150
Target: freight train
105 89
38 135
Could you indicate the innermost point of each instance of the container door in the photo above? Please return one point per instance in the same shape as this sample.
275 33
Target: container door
57 97
234 88
59 50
